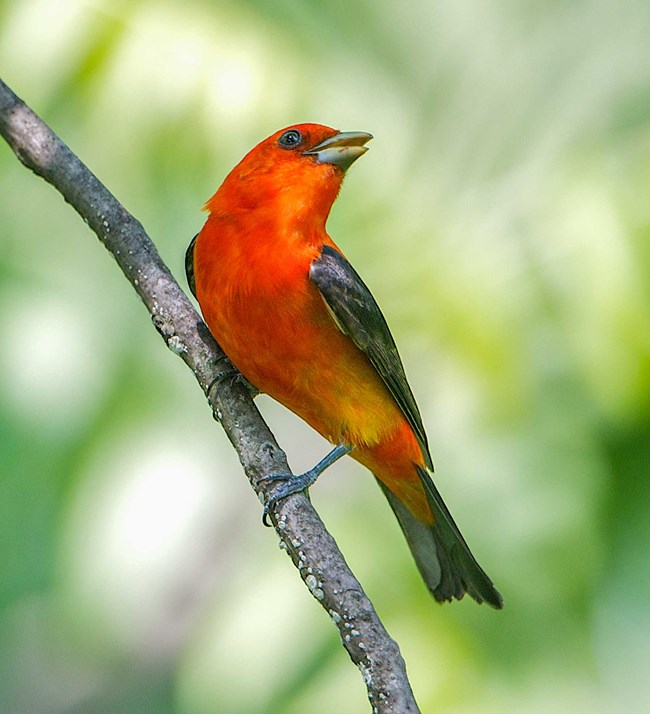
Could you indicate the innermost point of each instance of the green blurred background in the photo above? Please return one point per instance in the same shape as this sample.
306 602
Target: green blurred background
502 219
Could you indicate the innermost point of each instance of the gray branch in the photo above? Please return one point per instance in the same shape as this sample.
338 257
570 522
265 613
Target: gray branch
312 549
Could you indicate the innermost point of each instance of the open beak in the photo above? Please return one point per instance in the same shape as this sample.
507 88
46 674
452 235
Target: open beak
342 149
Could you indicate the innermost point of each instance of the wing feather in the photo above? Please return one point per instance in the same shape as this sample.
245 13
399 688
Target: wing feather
357 315
189 265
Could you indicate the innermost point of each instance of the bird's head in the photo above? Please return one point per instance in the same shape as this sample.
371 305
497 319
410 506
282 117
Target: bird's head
298 169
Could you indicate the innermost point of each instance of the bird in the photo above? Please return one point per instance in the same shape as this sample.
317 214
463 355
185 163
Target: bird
298 322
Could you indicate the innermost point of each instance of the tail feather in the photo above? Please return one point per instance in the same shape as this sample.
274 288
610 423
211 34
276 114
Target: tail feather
443 557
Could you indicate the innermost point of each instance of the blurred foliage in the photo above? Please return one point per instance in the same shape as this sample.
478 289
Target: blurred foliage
502 220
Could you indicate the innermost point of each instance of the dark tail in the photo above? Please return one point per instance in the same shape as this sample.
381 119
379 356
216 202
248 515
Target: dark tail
440 551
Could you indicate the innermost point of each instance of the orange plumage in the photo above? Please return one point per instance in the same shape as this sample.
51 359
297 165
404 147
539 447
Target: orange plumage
255 266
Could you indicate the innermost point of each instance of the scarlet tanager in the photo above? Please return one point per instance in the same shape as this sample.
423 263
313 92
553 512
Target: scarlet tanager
298 322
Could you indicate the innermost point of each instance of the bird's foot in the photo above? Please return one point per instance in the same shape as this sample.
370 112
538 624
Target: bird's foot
230 375
292 483
227 374
297 483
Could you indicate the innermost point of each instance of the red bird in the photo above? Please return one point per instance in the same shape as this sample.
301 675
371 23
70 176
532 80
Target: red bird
298 322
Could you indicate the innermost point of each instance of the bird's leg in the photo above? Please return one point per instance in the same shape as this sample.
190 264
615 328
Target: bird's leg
296 483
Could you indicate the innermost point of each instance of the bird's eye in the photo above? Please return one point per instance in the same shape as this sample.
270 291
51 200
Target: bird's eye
290 139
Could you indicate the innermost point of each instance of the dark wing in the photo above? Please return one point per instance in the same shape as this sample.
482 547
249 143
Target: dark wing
357 315
189 265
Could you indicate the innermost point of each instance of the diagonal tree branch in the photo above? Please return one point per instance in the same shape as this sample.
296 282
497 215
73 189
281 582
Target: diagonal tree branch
312 549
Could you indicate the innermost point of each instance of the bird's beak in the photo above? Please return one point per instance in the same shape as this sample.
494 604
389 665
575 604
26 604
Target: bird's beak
342 149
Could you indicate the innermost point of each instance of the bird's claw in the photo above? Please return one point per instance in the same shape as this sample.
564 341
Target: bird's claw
277 477
229 375
292 484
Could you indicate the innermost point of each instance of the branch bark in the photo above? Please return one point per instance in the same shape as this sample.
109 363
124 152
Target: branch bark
312 549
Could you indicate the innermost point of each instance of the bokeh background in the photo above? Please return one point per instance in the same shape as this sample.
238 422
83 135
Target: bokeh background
502 219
